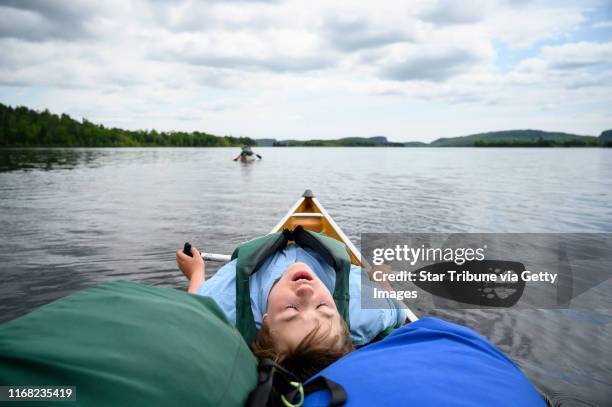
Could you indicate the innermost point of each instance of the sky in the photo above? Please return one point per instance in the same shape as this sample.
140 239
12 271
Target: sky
407 70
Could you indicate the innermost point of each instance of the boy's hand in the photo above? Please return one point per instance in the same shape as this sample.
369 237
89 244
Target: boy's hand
190 266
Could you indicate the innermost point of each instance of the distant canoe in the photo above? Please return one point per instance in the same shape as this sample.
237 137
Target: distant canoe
247 158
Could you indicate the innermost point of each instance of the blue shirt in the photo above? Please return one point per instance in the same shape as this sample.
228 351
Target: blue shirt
429 362
365 321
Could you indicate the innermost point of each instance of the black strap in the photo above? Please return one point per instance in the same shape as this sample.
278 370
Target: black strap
319 383
274 380
270 376
260 396
338 394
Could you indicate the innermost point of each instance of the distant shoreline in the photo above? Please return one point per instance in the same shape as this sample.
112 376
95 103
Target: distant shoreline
21 127
55 147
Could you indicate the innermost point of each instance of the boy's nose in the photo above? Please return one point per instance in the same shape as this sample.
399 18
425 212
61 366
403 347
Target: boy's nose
304 291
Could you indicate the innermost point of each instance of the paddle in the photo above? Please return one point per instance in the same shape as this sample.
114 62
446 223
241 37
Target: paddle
258 156
499 293
207 256
187 249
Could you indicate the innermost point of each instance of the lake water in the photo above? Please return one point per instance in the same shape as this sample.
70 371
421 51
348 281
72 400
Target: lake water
71 218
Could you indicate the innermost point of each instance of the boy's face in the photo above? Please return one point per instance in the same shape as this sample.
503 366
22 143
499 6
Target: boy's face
297 304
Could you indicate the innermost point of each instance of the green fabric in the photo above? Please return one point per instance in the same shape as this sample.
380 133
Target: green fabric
123 343
252 254
383 334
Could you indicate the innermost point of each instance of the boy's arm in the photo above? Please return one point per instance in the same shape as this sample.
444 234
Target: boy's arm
196 281
192 267
382 282
385 285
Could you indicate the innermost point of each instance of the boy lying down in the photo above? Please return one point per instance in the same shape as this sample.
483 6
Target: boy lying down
295 314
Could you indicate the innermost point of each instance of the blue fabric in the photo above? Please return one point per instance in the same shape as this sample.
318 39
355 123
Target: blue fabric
365 323
430 362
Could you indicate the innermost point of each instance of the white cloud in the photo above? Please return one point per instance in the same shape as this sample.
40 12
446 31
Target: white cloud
437 63
451 12
603 24
524 26
269 50
566 67
578 55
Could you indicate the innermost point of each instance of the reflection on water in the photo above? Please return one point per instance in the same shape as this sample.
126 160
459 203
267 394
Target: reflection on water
46 159
70 218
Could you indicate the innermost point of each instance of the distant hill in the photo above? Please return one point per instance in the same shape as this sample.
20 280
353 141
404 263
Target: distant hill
508 138
376 141
23 127
265 142
516 137
605 138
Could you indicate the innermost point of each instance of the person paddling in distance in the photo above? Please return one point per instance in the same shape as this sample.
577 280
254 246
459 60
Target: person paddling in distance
246 151
301 329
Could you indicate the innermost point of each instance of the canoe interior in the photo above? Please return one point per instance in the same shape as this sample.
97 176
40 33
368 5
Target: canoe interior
311 215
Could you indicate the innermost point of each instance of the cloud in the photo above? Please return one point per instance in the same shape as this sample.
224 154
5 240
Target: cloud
206 16
272 64
577 55
451 12
519 3
57 10
44 20
566 66
521 27
589 80
356 34
431 65
603 24
272 50
568 82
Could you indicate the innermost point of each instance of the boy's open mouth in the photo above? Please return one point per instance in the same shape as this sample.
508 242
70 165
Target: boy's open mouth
301 276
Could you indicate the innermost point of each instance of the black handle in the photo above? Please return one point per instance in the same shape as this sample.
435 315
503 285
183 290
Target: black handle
187 249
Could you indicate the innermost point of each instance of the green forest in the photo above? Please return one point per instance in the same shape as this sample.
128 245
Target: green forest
377 141
541 142
524 138
23 127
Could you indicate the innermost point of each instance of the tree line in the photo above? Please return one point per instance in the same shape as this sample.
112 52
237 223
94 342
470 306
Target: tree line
543 143
23 127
